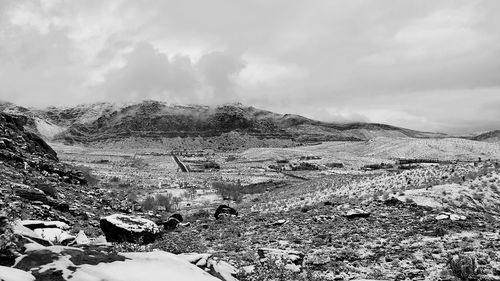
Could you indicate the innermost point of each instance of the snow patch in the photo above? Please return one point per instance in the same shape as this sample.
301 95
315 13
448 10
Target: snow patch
132 223
14 274
53 234
152 266
58 224
48 129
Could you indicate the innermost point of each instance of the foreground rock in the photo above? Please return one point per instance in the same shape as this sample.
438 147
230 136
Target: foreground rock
125 228
13 274
224 210
99 263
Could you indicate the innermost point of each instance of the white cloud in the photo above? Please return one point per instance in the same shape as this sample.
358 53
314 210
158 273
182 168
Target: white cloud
442 34
260 71
333 60
24 16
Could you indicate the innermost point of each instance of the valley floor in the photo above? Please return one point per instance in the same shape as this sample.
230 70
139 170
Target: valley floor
423 221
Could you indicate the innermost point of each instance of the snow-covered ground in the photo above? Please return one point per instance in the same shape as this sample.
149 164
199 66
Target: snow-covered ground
13 274
144 266
47 129
379 149
152 266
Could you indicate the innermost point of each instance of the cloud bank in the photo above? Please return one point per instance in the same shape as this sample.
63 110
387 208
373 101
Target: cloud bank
426 65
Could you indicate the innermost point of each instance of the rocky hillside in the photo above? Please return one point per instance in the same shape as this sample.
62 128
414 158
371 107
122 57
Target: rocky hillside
33 183
492 136
159 120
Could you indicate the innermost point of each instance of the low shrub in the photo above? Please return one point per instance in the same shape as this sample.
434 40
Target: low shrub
114 179
463 267
9 248
48 189
165 200
87 173
180 242
275 269
228 190
200 215
148 204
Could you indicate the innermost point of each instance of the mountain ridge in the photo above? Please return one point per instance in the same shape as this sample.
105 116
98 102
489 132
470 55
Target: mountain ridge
88 123
491 136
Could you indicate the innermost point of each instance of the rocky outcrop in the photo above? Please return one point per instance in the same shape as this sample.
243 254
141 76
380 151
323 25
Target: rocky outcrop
224 210
125 228
33 183
15 141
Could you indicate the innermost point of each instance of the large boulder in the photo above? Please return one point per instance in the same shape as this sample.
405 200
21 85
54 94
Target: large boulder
126 228
225 210
172 222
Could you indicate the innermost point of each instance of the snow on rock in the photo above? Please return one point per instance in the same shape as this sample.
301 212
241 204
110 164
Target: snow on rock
97 263
125 228
22 230
31 235
100 240
442 217
81 238
54 234
152 266
357 213
223 270
295 257
220 269
195 257
132 223
13 274
33 224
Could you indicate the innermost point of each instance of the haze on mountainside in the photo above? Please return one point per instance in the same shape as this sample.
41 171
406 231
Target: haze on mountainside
423 65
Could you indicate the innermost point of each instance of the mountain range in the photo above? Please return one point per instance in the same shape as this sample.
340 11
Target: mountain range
154 120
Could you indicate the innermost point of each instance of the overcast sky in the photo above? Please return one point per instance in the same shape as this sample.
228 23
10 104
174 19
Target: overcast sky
426 65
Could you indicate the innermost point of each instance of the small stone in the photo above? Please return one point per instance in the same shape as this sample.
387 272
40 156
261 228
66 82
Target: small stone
442 217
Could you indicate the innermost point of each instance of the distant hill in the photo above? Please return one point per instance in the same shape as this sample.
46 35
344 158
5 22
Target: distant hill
492 136
159 120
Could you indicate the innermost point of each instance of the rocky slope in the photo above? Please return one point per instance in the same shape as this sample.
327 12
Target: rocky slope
32 180
44 203
492 136
159 120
